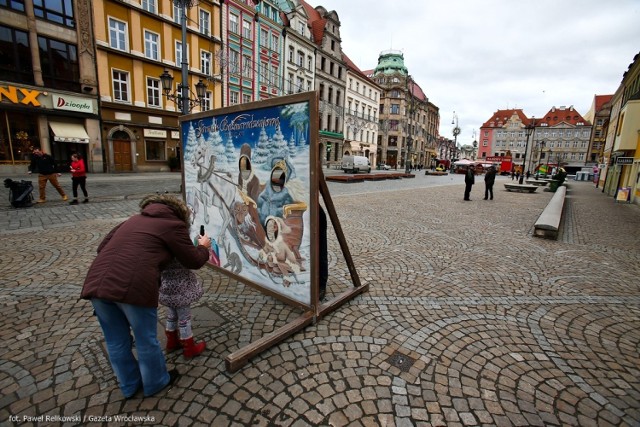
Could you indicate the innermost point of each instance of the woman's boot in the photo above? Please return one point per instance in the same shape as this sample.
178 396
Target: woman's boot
173 342
190 348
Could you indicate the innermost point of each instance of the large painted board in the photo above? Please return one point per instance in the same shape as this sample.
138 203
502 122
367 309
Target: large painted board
248 175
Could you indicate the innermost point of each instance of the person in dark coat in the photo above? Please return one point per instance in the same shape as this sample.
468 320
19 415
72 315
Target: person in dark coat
123 285
469 180
45 166
489 180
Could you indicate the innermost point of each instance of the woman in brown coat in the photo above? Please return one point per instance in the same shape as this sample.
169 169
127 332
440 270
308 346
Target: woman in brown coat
123 285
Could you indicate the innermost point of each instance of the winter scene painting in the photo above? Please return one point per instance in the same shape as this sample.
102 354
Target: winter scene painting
247 181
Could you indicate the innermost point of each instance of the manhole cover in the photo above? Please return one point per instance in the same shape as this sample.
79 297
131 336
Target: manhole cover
401 361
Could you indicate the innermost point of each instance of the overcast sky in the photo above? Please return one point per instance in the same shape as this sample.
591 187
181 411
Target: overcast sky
476 57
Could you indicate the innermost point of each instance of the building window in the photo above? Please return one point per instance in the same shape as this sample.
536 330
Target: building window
300 59
233 24
395 109
59 63
155 150
246 98
206 102
299 84
58 11
205 62
15 56
151 45
13 4
234 60
264 40
177 14
247 67
153 92
204 22
246 29
301 26
120 81
178 52
309 63
233 97
117 34
149 5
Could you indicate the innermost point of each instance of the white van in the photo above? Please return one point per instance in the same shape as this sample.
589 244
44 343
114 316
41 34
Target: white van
356 164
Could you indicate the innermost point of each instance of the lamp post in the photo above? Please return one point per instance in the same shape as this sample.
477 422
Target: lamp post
407 168
182 96
530 128
456 132
542 144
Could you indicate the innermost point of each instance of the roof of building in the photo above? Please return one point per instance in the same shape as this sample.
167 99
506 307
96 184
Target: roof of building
601 100
501 117
561 114
316 22
354 68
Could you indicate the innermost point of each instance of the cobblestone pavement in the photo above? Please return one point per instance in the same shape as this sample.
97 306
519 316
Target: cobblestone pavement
469 320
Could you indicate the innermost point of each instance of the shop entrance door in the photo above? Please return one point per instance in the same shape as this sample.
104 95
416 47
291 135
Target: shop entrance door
122 155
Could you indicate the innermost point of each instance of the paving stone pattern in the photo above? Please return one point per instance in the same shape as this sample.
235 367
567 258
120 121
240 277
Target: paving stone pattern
469 320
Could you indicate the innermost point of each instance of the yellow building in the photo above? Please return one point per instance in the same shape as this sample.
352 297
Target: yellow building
622 150
136 42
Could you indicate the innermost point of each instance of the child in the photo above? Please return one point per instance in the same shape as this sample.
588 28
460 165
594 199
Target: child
179 288
78 177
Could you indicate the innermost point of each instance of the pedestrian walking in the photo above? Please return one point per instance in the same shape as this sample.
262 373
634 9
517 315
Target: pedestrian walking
489 180
469 180
179 288
513 175
78 178
123 285
45 165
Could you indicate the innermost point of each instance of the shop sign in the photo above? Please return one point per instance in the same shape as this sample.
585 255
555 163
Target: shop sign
155 133
19 95
72 103
175 134
624 161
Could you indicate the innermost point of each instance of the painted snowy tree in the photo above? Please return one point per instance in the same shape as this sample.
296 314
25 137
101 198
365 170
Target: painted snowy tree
190 143
230 151
260 155
293 150
279 142
216 147
298 117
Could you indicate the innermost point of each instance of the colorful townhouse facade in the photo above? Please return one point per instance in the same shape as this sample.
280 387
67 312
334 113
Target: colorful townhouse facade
409 123
620 174
360 114
136 43
48 84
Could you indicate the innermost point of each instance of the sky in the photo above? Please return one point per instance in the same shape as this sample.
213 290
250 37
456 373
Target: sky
475 57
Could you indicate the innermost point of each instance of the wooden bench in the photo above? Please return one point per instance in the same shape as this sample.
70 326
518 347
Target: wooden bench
344 178
436 173
538 182
548 222
522 188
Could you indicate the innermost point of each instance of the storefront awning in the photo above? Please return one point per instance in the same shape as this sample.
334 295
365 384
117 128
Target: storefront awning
69 132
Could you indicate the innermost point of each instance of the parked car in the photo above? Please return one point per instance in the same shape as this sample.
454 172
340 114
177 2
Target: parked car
440 168
385 166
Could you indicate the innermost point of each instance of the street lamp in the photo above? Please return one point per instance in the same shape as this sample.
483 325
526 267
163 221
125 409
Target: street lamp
530 128
182 97
407 168
456 131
